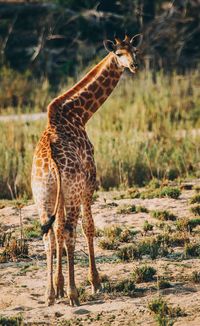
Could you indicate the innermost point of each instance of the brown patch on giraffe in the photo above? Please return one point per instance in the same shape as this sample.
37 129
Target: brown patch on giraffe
92 87
99 92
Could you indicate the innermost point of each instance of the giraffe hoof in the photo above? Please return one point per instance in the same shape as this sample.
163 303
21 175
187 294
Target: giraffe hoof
74 302
50 297
73 297
96 288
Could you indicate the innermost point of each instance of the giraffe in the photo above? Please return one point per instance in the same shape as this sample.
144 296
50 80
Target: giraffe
63 172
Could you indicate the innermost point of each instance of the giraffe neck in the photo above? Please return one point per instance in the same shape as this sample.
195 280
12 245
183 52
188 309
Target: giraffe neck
79 103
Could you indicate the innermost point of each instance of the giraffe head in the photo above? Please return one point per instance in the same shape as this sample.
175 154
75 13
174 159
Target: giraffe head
125 51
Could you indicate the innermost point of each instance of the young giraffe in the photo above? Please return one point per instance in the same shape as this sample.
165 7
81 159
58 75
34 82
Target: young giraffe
64 172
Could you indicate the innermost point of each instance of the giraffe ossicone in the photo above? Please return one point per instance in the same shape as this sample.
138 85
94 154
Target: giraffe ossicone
64 172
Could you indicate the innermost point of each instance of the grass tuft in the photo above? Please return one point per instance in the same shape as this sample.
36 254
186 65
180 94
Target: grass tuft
144 274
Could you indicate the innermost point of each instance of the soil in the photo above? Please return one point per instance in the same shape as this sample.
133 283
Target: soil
23 281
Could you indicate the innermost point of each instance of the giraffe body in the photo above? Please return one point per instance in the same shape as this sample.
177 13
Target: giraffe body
64 174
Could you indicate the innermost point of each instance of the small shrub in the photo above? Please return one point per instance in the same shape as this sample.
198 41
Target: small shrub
195 210
127 235
182 224
195 277
163 284
11 321
112 232
163 215
192 250
197 188
141 209
144 274
147 226
33 230
153 247
164 313
129 253
108 244
14 249
126 287
195 199
172 192
133 193
126 209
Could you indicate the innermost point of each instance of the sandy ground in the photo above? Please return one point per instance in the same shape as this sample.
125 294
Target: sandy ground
22 283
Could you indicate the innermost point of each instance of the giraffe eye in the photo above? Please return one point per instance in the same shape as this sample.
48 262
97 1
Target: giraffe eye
119 54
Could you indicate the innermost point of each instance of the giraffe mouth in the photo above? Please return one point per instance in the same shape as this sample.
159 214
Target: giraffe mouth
133 69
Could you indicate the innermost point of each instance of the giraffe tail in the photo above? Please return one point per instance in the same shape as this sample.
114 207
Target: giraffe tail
47 226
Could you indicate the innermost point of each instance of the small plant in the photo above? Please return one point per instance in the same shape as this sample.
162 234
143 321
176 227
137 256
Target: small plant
14 249
195 199
192 250
153 247
195 210
11 321
164 284
108 244
129 253
126 287
112 232
144 274
197 188
195 277
141 209
33 230
164 313
127 235
147 226
182 224
163 215
133 193
172 192
126 209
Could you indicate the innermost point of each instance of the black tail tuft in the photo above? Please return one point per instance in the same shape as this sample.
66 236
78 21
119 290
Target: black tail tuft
47 226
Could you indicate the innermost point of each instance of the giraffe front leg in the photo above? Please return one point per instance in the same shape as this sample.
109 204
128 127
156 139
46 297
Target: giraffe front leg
49 243
89 231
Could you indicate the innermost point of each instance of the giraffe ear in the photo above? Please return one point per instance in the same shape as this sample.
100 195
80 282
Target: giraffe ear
136 40
109 45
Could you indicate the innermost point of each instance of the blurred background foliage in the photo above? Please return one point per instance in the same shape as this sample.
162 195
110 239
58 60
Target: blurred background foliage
57 38
149 127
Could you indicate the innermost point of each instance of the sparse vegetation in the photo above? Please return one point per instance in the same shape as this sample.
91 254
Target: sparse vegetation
147 226
164 313
144 274
192 250
125 287
195 277
163 215
196 210
129 252
33 230
164 284
11 321
126 209
172 192
195 199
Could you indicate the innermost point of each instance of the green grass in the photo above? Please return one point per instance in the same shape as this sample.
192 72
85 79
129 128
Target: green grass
147 226
165 314
195 199
136 134
144 274
163 215
192 250
33 230
11 321
195 210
